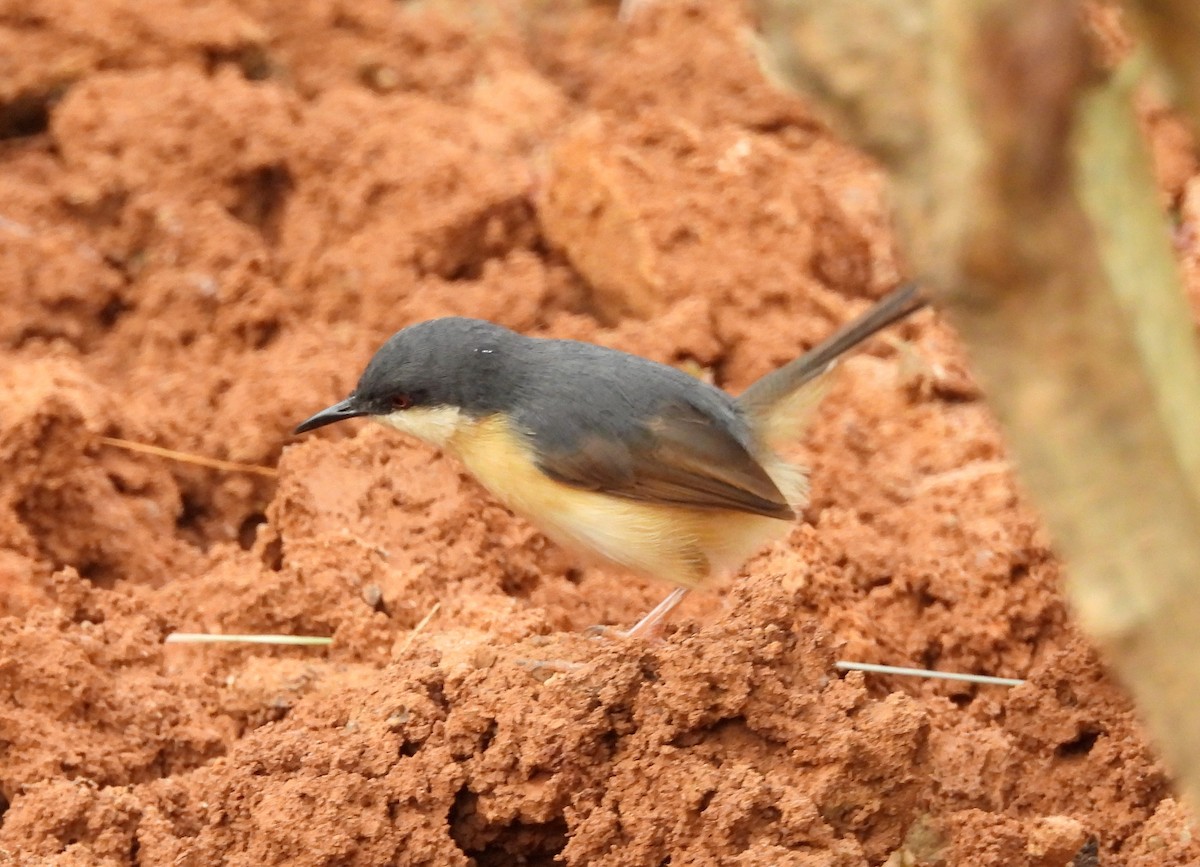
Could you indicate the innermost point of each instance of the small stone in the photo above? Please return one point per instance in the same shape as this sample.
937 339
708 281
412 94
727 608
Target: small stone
1055 840
372 594
485 657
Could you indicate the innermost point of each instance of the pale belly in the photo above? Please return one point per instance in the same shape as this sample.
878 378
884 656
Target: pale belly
681 545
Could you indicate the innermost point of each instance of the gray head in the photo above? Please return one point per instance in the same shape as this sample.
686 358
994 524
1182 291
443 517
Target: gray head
443 366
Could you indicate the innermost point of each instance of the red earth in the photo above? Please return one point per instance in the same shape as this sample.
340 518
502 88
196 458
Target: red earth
212 213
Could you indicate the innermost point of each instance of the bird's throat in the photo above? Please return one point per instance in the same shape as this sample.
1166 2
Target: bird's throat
437 426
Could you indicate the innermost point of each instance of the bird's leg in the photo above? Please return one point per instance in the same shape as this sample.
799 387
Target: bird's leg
646 628
650 625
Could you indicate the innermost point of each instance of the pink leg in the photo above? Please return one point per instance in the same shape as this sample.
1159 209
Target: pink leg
649 625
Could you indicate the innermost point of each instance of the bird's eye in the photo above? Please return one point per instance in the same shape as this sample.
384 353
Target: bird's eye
401 401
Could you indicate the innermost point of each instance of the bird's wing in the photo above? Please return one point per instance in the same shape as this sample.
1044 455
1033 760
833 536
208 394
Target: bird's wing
677 456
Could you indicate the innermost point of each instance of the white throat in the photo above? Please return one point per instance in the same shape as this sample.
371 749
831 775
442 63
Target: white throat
436 425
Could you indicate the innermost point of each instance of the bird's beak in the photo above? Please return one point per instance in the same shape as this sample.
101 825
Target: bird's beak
348 408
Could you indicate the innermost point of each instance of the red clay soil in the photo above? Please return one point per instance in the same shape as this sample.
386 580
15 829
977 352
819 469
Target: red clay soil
212 213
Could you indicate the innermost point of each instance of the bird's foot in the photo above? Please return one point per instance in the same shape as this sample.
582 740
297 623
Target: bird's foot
544 669
648 629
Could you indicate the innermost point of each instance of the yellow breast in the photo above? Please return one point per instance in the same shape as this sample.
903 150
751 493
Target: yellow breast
682 545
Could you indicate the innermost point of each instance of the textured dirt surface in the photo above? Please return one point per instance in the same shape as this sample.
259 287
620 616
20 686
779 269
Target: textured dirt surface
211 214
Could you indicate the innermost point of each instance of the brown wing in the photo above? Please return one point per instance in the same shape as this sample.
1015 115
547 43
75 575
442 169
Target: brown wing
679 457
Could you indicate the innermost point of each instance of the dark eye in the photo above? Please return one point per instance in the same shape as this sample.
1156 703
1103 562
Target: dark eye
401 401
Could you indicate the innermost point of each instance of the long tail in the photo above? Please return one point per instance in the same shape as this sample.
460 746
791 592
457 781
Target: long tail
766 397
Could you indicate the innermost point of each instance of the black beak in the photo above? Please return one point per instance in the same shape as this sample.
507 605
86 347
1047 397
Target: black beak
338 412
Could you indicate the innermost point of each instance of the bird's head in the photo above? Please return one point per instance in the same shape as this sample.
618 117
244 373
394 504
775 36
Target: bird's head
427 378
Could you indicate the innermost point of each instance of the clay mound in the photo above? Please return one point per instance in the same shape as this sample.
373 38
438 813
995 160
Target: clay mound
215 214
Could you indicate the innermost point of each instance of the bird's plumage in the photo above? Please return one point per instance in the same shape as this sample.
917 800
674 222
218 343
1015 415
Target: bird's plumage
635 428
608 452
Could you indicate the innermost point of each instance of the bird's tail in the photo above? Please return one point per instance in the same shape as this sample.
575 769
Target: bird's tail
778 401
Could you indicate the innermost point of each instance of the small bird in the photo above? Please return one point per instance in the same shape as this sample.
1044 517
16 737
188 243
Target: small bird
608 453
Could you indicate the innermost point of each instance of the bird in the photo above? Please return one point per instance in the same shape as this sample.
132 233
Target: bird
613 456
